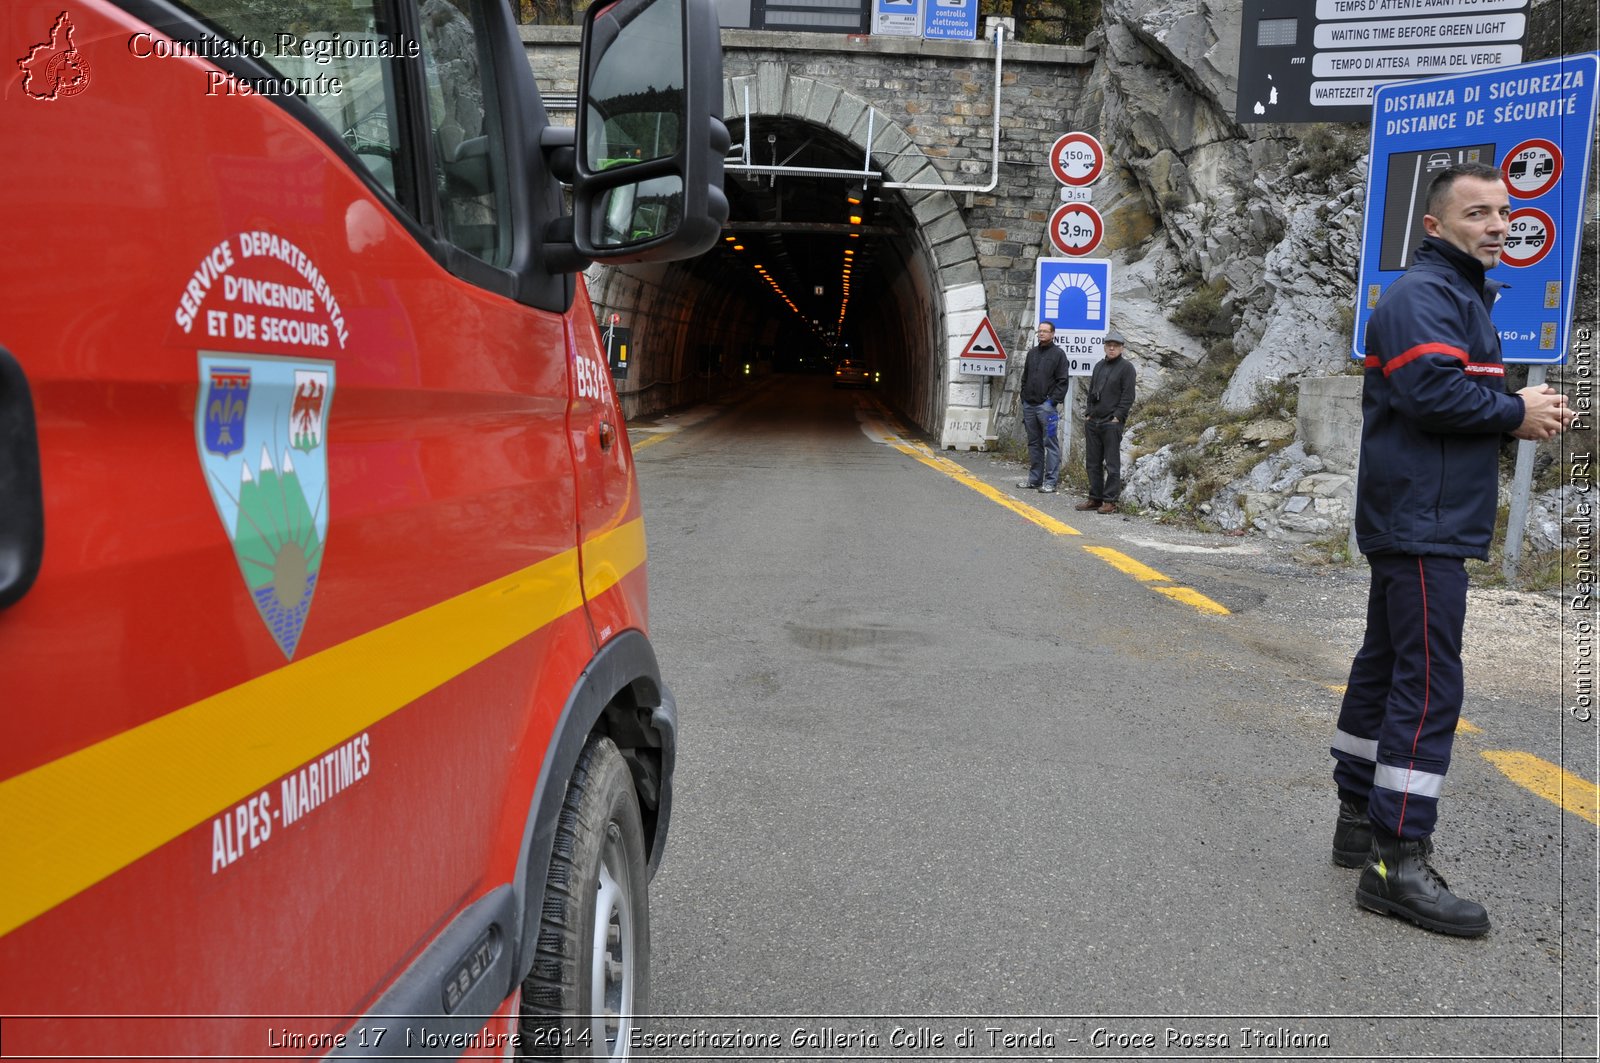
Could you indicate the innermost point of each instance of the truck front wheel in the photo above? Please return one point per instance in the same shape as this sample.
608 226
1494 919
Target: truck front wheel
591 971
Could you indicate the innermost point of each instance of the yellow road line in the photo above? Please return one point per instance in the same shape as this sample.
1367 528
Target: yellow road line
1145 574
960 475
1115 558
1549 781
652 441
77 820
1194 599
1123 563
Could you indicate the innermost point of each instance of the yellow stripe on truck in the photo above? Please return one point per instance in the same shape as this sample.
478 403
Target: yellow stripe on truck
609 556
73 822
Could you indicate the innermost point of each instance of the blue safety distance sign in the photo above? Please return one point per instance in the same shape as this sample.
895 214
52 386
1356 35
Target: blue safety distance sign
1535 122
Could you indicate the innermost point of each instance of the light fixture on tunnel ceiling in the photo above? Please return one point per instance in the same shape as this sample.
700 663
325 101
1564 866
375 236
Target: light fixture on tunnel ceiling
846 271
767 276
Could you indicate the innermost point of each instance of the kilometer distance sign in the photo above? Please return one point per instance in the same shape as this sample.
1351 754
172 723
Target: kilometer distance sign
1076 228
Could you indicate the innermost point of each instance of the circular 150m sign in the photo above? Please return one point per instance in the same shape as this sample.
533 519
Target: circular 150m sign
1077 159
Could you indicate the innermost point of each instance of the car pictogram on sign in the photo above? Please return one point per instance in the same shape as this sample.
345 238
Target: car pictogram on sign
1077 159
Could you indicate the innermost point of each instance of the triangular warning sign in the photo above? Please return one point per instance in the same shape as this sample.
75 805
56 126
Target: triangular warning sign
984 344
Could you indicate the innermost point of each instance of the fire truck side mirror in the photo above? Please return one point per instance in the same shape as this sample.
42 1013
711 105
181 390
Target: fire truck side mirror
650 142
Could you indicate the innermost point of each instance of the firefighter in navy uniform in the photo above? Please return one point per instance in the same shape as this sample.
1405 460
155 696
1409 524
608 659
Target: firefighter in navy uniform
1434 409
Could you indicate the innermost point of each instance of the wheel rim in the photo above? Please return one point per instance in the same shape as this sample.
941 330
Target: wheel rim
613 952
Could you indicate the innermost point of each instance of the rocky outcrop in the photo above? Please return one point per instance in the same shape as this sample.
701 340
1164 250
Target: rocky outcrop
1270 217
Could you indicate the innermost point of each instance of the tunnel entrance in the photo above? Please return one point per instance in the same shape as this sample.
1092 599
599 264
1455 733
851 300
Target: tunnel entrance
809 269
828 259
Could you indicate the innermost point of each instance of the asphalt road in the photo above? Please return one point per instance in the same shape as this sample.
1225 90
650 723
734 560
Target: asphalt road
948 772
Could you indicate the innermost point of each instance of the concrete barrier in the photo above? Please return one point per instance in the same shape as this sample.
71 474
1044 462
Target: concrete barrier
1330 420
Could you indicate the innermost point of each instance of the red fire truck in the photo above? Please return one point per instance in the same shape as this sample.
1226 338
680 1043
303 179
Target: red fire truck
329 721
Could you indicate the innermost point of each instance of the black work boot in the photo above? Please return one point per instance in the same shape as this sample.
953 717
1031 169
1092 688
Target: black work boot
1352 833
1398 880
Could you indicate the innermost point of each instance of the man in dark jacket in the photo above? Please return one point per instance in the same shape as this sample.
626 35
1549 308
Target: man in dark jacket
1434 408
1044 387
1110 399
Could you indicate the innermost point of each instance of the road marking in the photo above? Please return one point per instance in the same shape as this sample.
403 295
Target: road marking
1195 548
1116 559
1195 599
1549 781
961 476
659 437
1145 574
1123 563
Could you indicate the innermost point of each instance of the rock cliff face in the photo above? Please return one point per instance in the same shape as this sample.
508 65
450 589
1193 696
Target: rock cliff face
1244 209
1250 236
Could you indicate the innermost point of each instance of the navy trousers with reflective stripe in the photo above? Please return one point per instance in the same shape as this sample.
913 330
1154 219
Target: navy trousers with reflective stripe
1398 721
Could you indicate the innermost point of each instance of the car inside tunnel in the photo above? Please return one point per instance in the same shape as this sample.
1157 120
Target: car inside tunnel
809 270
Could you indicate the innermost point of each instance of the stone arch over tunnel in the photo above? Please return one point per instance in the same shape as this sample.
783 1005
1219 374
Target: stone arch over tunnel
695 325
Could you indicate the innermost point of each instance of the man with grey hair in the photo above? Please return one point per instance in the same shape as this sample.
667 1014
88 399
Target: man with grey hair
1434 409
1111 388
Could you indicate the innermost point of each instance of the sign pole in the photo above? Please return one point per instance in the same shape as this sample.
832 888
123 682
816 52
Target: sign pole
1521 488
1065 424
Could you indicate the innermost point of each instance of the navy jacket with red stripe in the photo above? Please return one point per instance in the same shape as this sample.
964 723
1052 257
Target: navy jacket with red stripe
1434 408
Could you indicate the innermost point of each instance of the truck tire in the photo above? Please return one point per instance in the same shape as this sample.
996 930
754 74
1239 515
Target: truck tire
590 979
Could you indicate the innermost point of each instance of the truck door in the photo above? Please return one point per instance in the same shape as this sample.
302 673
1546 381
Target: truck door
611 524
308 604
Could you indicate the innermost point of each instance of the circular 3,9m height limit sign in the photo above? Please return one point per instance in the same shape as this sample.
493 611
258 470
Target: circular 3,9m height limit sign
1076 228
1077 159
